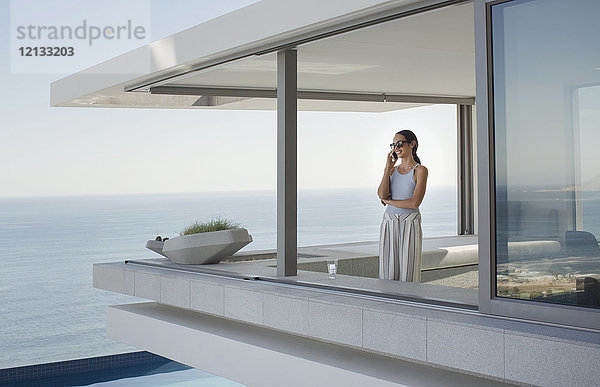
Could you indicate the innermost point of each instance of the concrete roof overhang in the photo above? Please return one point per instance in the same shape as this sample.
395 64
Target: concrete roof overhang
230 62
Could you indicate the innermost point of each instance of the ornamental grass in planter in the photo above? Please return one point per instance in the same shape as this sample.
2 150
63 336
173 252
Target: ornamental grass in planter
205 242
215 224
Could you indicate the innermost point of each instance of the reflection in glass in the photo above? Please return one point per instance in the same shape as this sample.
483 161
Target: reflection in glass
546 74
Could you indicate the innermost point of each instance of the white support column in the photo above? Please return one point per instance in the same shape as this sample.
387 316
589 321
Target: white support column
287 168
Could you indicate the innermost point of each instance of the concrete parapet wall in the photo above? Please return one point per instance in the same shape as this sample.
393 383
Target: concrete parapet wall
466 341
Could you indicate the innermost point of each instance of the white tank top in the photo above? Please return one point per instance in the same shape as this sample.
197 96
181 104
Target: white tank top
402 187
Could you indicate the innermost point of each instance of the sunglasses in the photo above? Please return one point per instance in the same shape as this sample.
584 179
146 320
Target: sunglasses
398 144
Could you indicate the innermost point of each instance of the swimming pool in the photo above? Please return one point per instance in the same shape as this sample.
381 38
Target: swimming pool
127 369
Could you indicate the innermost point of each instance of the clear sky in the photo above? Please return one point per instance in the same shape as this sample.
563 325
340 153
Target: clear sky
81 151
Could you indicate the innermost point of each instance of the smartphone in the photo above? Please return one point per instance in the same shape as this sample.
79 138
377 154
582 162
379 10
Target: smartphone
394 156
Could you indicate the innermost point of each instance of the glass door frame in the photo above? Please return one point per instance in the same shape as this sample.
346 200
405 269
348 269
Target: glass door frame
489 303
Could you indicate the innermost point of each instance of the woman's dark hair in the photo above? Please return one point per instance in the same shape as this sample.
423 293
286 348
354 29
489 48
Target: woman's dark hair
410 137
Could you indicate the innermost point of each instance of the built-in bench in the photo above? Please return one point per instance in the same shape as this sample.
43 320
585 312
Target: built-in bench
438 253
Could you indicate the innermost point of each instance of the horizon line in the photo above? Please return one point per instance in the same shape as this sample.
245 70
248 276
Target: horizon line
192 192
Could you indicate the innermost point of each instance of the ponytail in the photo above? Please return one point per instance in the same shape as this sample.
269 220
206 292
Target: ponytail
410 136
414 153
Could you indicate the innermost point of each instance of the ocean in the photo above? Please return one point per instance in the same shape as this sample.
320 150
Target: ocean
50 311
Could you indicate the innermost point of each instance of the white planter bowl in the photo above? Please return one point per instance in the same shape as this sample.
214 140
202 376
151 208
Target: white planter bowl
206 247
156 246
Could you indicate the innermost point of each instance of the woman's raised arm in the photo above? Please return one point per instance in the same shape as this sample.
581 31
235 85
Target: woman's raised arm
384 187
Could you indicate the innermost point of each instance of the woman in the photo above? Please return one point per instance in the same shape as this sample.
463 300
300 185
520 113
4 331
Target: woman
402 189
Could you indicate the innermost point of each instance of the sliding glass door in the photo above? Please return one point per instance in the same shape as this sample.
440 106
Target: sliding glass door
543 77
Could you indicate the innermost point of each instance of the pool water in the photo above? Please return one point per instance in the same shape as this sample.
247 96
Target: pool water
127 369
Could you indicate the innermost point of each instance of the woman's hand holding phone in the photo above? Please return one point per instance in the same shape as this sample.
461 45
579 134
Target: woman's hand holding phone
391 160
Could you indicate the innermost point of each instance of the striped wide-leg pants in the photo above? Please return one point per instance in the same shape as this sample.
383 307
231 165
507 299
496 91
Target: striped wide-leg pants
400 244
